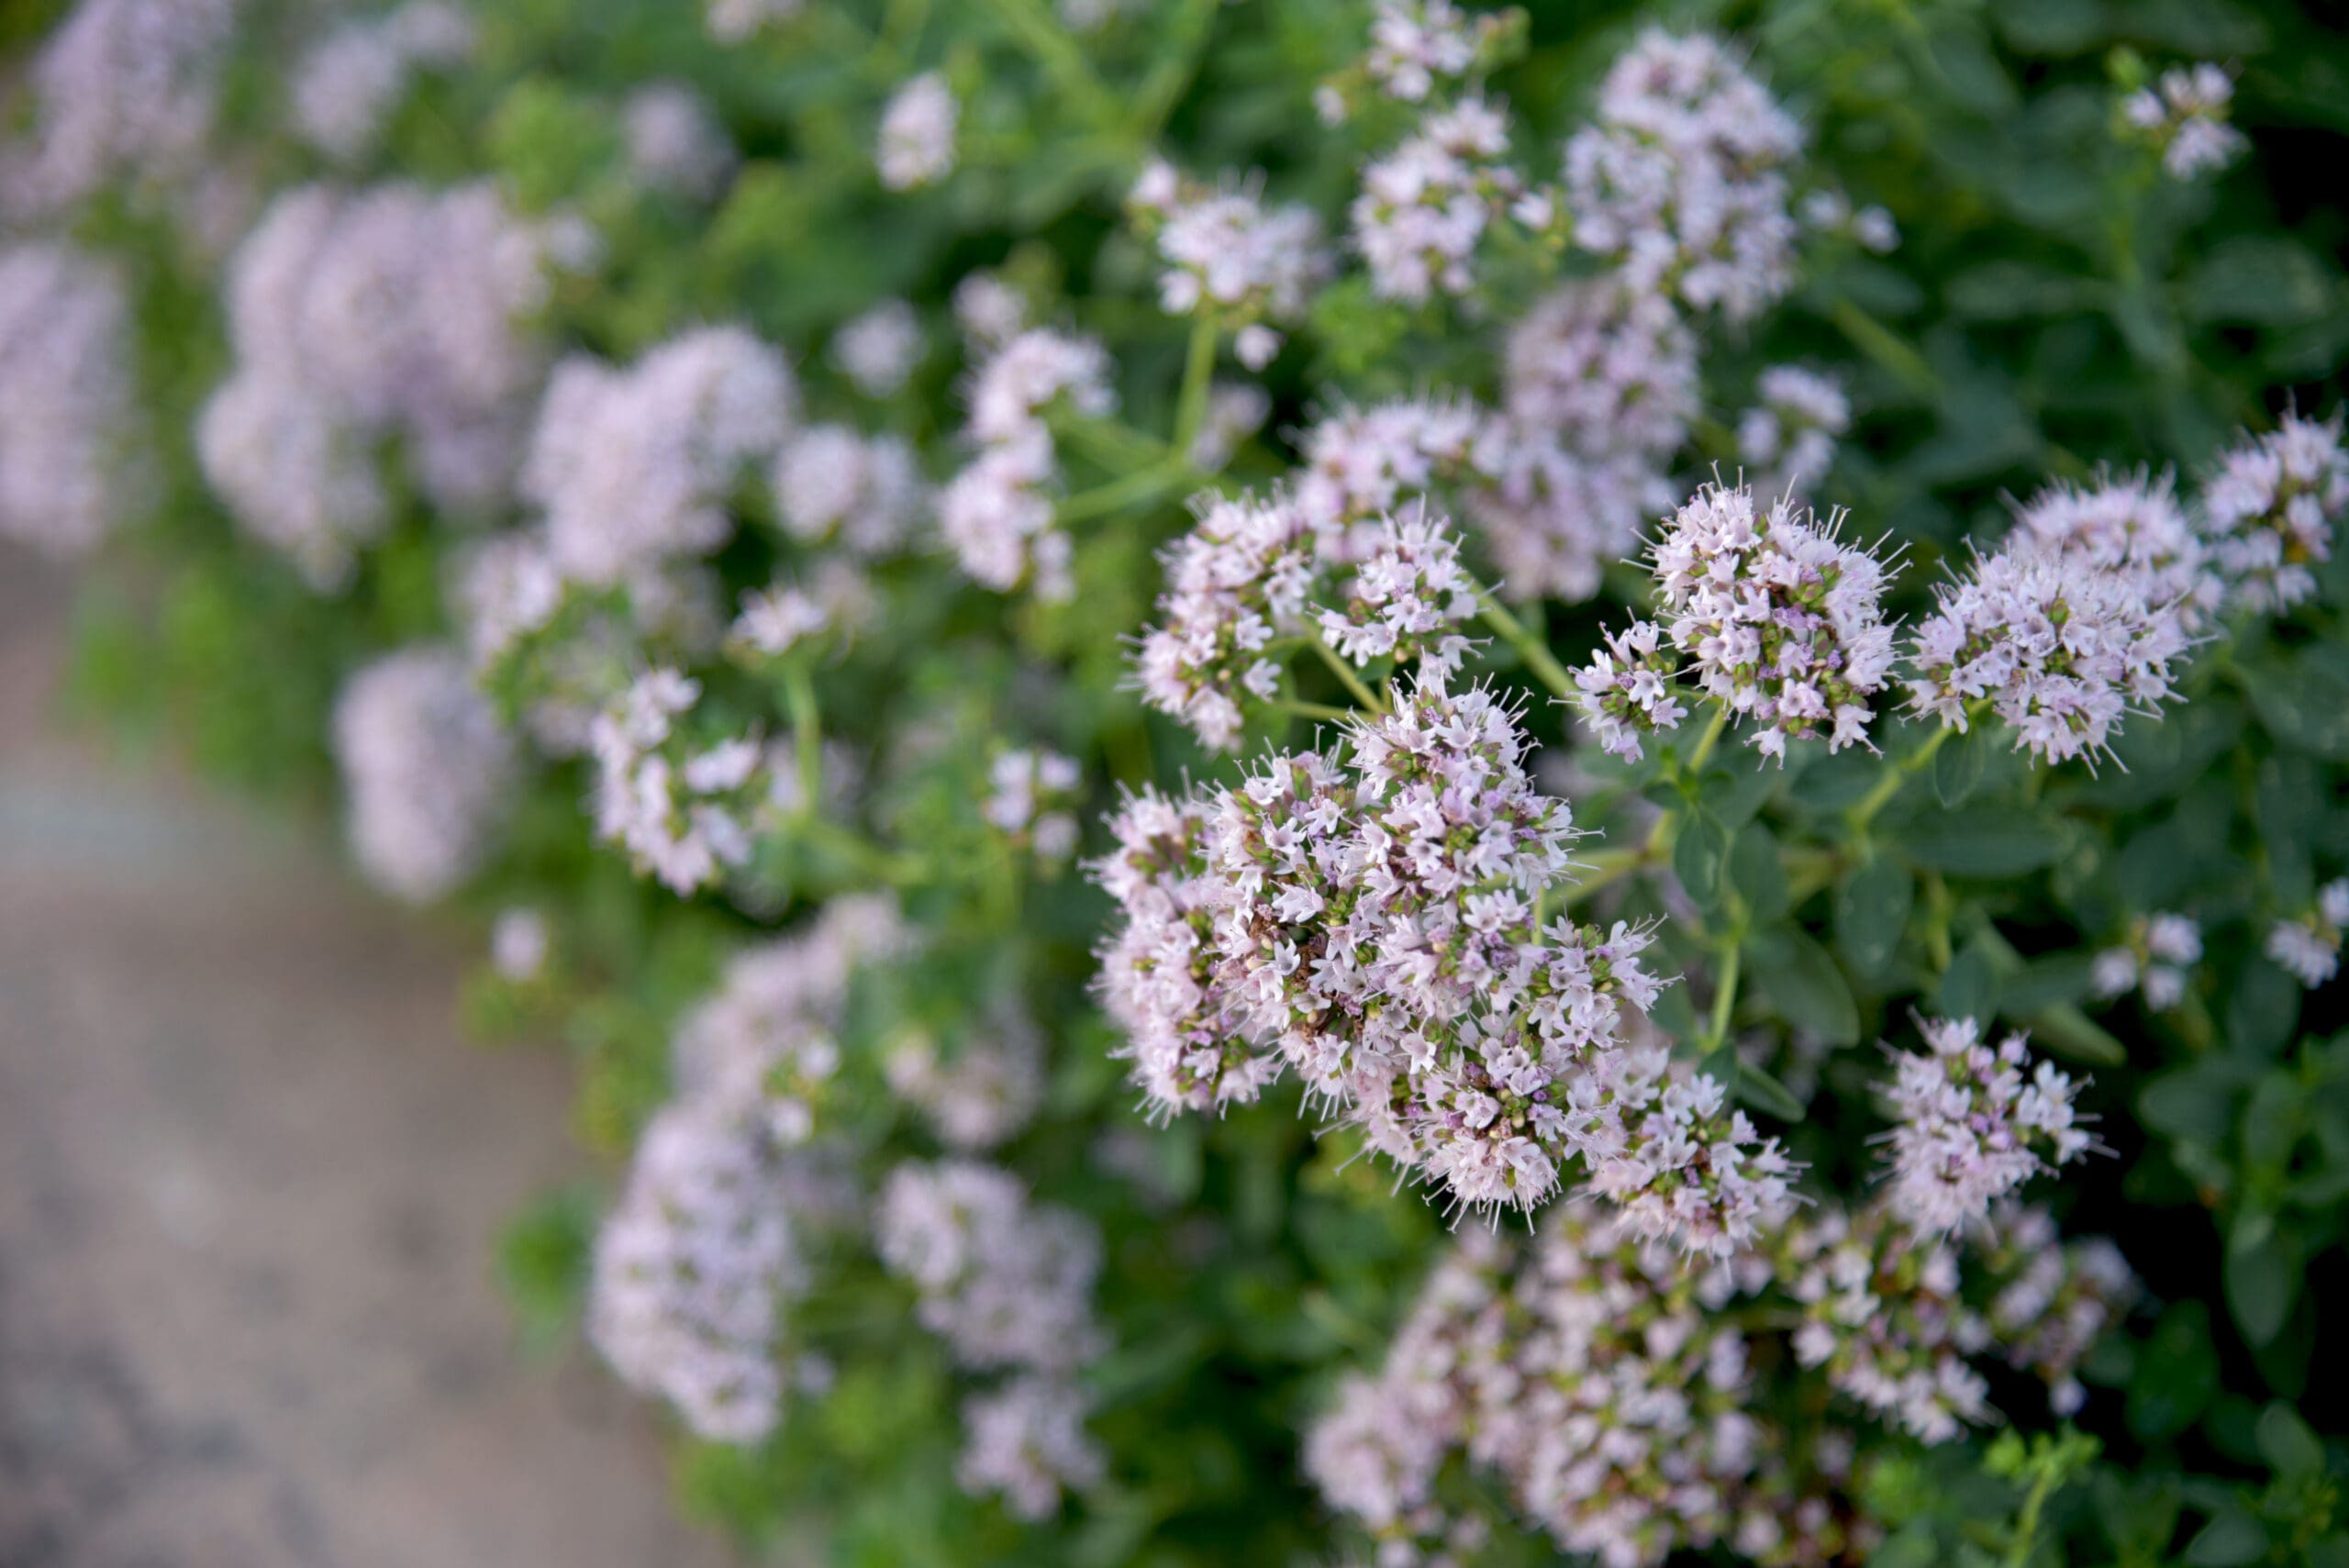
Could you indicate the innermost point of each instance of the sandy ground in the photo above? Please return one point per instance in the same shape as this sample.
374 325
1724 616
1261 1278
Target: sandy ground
249 1179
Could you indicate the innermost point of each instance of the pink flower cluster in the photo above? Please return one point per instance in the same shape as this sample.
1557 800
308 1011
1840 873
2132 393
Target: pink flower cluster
2270 510
997 515
1974 1121
428 772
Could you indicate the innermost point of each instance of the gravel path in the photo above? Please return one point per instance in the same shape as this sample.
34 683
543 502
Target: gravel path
250 1178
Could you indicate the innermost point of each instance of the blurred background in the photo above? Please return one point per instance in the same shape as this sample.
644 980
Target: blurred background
251 1180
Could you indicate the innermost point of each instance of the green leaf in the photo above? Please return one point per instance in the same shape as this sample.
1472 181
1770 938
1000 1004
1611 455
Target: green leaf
2286 1443
1764 1093
1969 988
2266 280
1755 873
2177 1376
1872 908
1957 767
2302 704
2262 1280
1699 855
1985 841
1799 980
2233 1537
2066 1031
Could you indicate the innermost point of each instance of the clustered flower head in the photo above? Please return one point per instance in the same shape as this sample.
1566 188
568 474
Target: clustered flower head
2270 509
391 311
1228 253
1007 1284
1681 182
917 141
2156 955
674 143
1415 43
2184 117
1425 205
866 494
2060 646
634 468
732 21
1368 917
830 603
350 80
126 90
1029 798
1257 573
685 807
879 348
2310 946
2133 524
1236 410
427 768
1627 692
693 1269
1972 1121
1600 385
1581 1370
519 944
1361 464
997 515
1788 439
1885 1314
766 1042
986 1091
64 397
1775 617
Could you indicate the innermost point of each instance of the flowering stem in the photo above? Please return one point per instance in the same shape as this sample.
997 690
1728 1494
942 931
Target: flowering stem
1881 792
1607 867
1313 710
1045 39
1531 648
1135 489
1710 738
1346 677
807 734
1198 367
1724 997
1877 341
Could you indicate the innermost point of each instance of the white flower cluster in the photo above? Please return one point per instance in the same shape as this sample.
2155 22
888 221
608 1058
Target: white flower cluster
1777 619
694 1267
2157 956
830 602
1788 439
917 141
2059 645
686 812
1362 464
1681 183
1007 1283
984 1094
125 89
765 1044
997 515
64 397
1974 1121
392 310
634 468
879 348
732 21
1370 918
1686 1168
865 493
2309 947
520 943
1885 1316
2131 525
1600 385
428 770
1236 410
674 143
1228 253
349 83
2184 117
2270 509
1424 206
1414 42
1582 1371
1029 799
1255 573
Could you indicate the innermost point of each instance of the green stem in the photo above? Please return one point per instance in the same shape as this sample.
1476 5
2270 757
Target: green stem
1313 710
1363 695
1881 792
1530 648
1042 36
1724 998
1607 867
1198 371
1878 341
807 734
1135 489
2027 1521
1710 738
